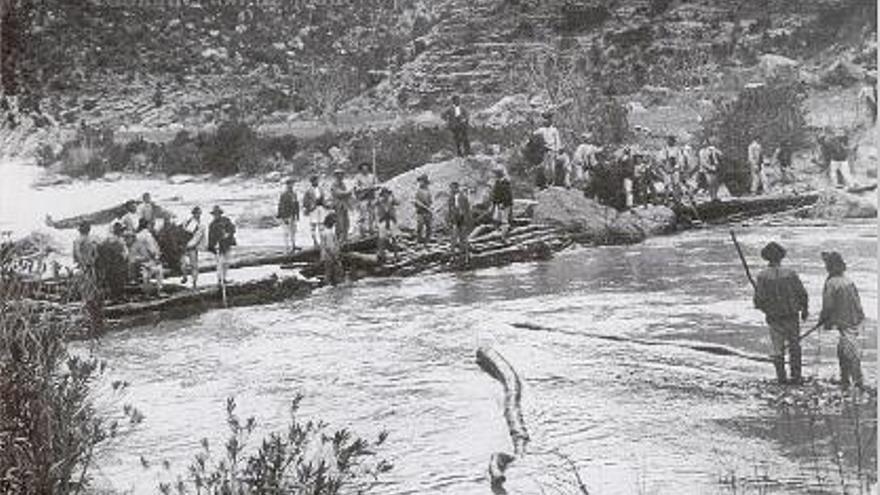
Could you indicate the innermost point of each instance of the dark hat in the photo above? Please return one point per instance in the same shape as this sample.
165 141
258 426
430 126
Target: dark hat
289 180
773 252
453 184
364 166
118 228
547 114
84 227
216 210
313 177
423 178
196 209
834 261
384 191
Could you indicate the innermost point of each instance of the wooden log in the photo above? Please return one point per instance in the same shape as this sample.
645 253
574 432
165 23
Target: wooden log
725 210
493 363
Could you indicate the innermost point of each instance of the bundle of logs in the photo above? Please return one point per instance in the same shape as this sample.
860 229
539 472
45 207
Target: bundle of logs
487 248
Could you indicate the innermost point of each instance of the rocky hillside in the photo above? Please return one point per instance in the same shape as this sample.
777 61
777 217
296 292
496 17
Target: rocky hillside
190 66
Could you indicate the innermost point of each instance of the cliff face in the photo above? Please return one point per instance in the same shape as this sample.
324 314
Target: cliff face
193 64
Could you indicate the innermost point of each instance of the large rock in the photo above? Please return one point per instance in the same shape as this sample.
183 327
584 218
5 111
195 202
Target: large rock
587 219
652 219
837 204
774 66
474 173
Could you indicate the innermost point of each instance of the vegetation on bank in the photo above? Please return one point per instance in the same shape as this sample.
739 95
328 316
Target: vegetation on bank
305 458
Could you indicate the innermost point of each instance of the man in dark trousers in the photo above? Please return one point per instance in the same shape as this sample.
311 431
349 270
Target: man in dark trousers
221 238
781 296
502 203
458 121
288 213
842 310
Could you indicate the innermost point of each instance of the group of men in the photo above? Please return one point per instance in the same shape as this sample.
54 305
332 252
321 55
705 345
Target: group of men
132 250
780 295
329 214
675 172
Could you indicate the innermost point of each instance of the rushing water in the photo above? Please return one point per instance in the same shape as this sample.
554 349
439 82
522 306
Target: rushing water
398 355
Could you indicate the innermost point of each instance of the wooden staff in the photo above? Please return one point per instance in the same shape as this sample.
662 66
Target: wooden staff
742 258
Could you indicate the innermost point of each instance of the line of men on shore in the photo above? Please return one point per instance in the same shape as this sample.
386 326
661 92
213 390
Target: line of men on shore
677 172
781 296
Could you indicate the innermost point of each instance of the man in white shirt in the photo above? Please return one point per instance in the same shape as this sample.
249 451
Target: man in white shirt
198 241
756 167
709 169
585 160
552 143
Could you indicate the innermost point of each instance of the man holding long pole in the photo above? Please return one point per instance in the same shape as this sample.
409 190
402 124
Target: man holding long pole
781 296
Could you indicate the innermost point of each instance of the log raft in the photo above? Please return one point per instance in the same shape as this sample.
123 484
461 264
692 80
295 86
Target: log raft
743 207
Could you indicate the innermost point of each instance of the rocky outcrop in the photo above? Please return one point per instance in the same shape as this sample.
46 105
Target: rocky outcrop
474 174
592 222
838 204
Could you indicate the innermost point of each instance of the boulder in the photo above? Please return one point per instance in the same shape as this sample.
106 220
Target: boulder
838 204
569 209
774 66
625 229
652 219
842 73
474 174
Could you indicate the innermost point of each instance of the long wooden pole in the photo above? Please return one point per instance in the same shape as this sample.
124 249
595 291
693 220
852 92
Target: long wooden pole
742 259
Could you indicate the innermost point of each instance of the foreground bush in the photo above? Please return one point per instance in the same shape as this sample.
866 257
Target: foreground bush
50 427
306 458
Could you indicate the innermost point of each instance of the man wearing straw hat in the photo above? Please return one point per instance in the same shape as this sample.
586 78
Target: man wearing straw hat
342 197
221 238
781 296
424 212
842 310
552 144
313 207
198 241
365 193
288 213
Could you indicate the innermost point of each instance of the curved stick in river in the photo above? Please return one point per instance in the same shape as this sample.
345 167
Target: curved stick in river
494 364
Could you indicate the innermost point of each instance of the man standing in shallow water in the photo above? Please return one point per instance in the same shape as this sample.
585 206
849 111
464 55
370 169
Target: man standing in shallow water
781 296
842 309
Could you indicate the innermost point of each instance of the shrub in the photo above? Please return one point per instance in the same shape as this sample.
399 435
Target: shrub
294 461
772 113
231 149
50 427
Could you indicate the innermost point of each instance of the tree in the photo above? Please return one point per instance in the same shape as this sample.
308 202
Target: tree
771 113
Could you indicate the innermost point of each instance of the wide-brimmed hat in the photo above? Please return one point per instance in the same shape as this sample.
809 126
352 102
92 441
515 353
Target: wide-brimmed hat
773 252
364 165
453 184
384 191
216 210
338 171
196 209
289 180
498 170
834 261
423 178
314 177
547 114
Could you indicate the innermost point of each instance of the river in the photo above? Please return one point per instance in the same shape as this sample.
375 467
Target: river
398 355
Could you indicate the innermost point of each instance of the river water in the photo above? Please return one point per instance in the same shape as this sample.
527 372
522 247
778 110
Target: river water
398 355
